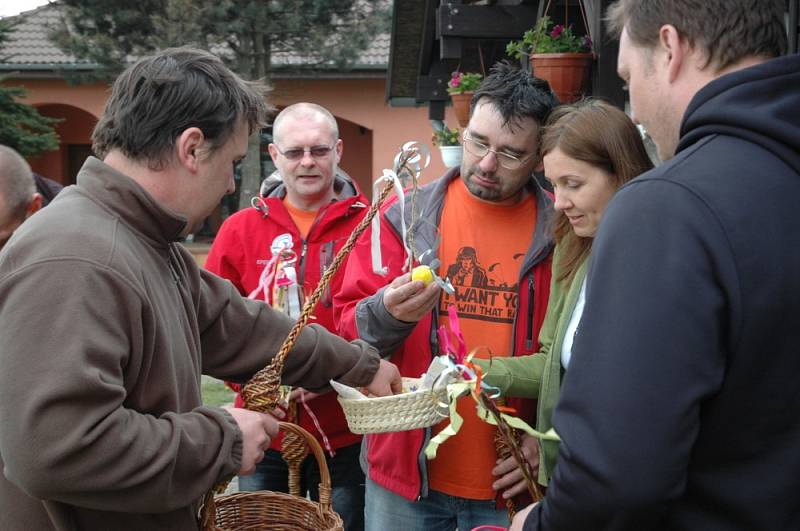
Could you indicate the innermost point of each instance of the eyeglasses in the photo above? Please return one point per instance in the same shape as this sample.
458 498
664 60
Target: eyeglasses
317 152
506 160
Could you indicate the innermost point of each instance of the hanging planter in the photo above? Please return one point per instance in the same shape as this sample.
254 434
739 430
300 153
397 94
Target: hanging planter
567 73
557 55
461 104
451 155
461 87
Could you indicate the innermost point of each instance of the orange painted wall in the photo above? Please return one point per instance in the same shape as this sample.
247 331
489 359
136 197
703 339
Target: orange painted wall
360 101
90 97
363 101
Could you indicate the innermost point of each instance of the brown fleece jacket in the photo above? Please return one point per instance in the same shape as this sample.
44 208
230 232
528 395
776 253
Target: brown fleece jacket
106 325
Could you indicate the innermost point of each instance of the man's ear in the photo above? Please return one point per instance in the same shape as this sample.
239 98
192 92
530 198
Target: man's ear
34 205
339 147
675 50
539 168
273 151
188 148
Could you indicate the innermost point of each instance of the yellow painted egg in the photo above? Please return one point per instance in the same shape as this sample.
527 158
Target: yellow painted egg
422 273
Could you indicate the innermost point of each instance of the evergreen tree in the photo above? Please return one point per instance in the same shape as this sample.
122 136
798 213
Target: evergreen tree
21 126
247 34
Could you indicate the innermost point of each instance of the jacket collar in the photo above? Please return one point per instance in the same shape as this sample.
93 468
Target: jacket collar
344 187
125 198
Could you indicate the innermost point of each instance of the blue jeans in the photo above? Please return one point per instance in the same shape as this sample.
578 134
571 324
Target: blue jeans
347 481
438 512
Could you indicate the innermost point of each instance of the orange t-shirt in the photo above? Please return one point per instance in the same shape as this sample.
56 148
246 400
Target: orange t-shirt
483 246
302 218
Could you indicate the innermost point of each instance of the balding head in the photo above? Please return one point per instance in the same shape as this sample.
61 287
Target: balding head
18 197
305 110
306 150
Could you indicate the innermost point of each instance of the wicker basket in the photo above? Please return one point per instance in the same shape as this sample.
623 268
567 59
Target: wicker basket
265 510
406 411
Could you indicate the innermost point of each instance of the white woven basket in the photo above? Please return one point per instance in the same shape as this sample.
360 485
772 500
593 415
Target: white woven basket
406 411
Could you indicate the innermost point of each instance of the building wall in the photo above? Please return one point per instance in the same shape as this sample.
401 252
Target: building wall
373 132
362 101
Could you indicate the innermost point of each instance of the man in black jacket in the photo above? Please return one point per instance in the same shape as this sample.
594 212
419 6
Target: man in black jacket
681 409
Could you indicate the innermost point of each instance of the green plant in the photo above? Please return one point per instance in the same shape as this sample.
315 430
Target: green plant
460 82
216 393
446 137
544 39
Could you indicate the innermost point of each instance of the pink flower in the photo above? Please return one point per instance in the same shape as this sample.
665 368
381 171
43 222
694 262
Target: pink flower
557 31
455 80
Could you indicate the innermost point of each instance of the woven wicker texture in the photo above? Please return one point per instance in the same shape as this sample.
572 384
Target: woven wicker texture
265 510
406 411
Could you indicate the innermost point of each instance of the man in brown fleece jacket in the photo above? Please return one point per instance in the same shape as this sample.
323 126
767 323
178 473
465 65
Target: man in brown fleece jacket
107 323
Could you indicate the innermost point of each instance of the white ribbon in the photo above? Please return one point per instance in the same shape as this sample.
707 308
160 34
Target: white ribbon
293 305
375 241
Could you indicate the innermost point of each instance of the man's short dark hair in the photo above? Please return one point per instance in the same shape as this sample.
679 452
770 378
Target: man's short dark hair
726 30
153 101
516 94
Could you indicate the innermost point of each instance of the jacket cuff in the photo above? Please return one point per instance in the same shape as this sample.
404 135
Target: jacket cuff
378 327
364 371
230 429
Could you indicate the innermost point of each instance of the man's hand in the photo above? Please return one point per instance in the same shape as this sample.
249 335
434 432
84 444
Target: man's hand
510 479
386 381
519 519
258 430
408 300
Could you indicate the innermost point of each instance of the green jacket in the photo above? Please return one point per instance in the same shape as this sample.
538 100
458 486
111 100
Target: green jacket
539 375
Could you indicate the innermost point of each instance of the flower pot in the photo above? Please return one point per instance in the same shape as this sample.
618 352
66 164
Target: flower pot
451 155
567 73
461 107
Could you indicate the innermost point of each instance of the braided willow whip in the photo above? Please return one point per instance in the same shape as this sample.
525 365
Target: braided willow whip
261 392
507 443
410 237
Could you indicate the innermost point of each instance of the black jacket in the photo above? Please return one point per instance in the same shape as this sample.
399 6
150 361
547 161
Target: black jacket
681 406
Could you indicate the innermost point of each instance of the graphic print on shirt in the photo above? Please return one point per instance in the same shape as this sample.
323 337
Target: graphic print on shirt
481 293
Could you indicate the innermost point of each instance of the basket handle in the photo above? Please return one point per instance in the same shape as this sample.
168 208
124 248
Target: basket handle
324 474
208 509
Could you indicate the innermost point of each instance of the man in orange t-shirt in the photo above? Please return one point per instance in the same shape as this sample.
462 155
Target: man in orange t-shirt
492 219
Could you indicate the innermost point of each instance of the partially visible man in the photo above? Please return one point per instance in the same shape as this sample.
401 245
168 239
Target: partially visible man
107 323
18 196
47 187
681 407
278 250
492 206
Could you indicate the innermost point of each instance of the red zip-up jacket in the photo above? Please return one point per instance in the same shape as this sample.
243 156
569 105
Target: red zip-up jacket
242 248
396 460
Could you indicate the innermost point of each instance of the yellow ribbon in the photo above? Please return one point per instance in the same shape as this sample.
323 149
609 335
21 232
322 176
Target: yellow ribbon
459 389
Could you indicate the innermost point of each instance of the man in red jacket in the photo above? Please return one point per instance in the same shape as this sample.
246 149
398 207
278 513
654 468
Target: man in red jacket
493 207
277 251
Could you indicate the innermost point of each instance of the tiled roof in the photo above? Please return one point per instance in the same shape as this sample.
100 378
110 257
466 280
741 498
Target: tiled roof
29 46
376 55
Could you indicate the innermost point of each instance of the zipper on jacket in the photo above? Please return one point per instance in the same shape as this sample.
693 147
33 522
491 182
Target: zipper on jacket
302 274
529 321
422 464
